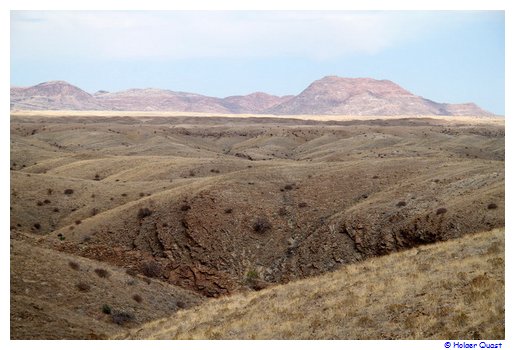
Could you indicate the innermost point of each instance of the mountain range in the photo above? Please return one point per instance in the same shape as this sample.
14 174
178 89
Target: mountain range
329 95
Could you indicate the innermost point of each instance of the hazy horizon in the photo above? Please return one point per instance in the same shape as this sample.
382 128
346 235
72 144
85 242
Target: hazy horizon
445 56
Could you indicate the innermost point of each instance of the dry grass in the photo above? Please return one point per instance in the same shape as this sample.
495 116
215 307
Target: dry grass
54 297
449 290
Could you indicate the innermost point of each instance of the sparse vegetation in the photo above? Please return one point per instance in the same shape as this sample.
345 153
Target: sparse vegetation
151 269
83 287
121 317
144 212
102 273
261 225
106 309
441 211
210 247
74 265
379 298
185 207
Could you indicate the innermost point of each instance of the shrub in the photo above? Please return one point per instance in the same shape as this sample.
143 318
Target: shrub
37 225
492 206
401 204
185 207
122 317
440 211
56 210
102 273
94 211
252 275
151 269
49 191
303 204
180 304
137 298
141 194
288 187
73 265
83 287
68 191
131 272
39 203
375 177
228 210
144 212
283 211
124 194
78 222
47 201
60 236
261 225
106 309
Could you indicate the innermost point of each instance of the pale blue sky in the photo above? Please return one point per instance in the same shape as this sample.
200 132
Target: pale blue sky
445 56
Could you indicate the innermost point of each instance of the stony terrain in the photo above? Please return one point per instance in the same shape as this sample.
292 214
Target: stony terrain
327 96
448 290
219 206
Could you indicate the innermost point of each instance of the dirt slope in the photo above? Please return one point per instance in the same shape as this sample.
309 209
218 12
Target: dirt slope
449 290
60 296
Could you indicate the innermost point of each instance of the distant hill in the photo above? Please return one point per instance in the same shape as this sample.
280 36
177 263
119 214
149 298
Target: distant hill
365 96
52 95
329 95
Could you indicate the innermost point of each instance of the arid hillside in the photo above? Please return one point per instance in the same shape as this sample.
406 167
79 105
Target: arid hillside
217 206
447 290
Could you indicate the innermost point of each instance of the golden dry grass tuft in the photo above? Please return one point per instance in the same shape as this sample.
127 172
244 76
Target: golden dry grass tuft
448 290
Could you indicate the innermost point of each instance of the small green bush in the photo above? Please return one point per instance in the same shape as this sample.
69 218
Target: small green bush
106 309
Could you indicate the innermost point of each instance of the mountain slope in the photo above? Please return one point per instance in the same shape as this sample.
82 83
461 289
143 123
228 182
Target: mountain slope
160 100
365 96
253 103
52 95
329 95
448 290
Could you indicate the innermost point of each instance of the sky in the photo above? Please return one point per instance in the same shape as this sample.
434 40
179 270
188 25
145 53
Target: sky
446 56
